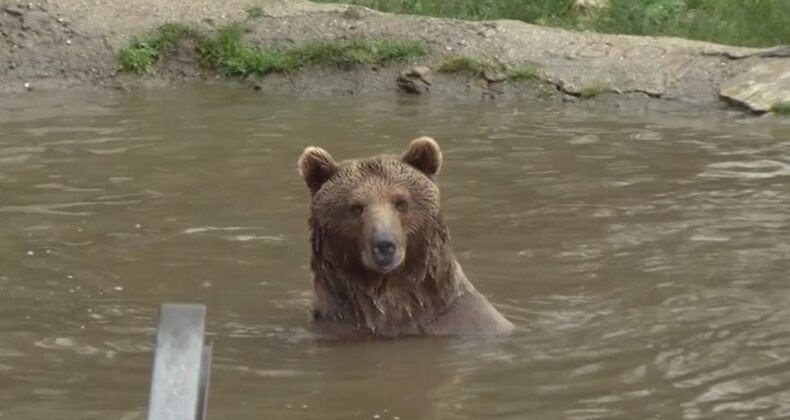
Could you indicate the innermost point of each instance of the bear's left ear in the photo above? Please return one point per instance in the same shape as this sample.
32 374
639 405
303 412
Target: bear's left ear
424 155
316 166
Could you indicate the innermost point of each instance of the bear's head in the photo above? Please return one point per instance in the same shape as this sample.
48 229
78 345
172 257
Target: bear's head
373 215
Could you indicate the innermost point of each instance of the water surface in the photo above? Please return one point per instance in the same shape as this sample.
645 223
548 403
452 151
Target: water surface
643 257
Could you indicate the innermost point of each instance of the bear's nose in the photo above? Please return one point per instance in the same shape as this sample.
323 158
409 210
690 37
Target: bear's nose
385 252
384 247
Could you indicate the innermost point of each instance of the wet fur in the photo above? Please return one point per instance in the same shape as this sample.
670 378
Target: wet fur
428 294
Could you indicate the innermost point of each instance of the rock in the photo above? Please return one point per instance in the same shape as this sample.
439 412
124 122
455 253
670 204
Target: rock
494 76
13 11
415 80
185 51
588 7
36 22
353 13
777 52
760 87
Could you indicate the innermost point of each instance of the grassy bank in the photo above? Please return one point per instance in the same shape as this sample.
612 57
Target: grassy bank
227 52
781 108
734 22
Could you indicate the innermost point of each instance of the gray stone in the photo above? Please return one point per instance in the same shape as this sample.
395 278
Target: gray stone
494 76
353 13
760 87
415 80
14 11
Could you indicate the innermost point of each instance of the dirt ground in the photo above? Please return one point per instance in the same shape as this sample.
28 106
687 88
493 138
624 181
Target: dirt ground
57 44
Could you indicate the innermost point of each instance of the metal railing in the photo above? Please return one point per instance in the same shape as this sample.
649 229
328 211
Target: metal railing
182 364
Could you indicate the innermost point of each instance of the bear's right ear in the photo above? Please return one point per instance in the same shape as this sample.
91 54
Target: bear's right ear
424 155
316 166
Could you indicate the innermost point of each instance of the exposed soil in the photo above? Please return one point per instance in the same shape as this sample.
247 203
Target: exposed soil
69 43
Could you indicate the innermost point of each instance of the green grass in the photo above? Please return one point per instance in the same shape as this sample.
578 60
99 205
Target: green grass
463 64
592 91
227 52
142 53
781 108
735 22
524 73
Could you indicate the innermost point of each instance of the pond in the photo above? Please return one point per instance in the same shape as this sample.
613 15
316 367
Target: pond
643 257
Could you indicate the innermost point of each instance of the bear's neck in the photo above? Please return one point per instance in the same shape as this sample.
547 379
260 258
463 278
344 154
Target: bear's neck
401 302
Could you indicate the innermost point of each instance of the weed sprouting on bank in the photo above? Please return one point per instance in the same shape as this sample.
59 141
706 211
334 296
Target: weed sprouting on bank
524 73
594 90
463 64
735 22
781 108
227 51
143 52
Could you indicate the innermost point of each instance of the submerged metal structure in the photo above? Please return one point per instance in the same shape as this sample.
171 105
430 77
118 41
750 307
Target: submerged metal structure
182 364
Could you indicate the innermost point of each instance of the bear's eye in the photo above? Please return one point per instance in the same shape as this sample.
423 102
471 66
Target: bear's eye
402 205
356 209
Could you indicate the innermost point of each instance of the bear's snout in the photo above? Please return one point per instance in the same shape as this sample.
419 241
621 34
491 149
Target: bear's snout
384 247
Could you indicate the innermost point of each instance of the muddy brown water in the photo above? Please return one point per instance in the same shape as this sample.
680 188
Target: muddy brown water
644 258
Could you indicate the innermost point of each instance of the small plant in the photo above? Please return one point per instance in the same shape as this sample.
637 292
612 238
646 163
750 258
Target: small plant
594 90
141 55
524 73
781 108
463 64
138 59
227 52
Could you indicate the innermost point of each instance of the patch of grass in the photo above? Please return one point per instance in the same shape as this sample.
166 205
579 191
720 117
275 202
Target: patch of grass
594 90
781 108
226 51
143 52
524 73
735 22
463 64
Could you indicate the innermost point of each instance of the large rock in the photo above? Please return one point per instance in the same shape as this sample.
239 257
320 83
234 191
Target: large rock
760 87
415 80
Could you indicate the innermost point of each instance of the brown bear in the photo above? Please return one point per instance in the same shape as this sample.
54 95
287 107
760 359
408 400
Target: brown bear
381 256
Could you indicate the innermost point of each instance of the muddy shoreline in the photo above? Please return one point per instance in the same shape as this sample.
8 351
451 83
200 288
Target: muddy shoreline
54 45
